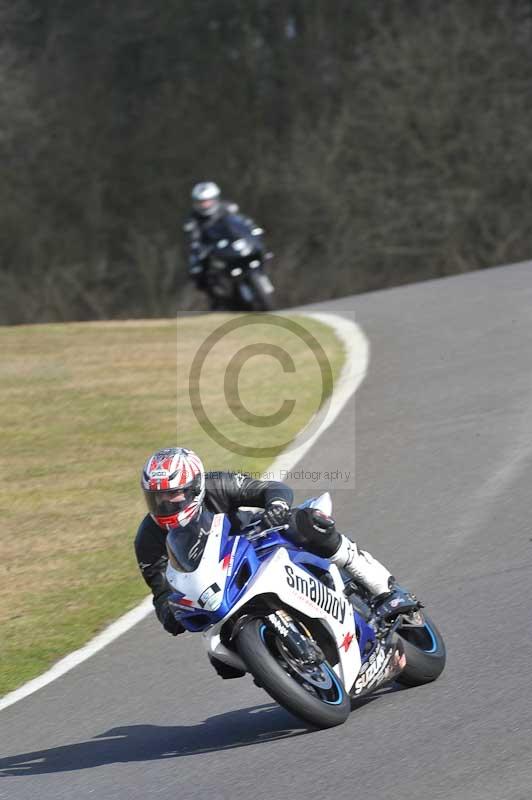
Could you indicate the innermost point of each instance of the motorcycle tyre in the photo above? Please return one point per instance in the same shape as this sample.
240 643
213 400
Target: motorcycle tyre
422 666
262 301
285 689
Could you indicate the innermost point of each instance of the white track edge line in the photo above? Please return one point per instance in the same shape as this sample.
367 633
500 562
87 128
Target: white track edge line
354 369
108 635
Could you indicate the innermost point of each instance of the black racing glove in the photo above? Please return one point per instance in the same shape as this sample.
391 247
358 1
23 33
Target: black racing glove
195 268
276 512
168 620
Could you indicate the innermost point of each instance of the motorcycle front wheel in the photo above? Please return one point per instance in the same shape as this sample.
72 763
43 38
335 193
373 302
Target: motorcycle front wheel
312 692
262 300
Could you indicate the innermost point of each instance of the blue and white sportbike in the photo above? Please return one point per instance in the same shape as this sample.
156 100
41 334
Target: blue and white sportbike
307 633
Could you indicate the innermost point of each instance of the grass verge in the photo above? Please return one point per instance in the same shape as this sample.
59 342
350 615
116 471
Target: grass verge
83 405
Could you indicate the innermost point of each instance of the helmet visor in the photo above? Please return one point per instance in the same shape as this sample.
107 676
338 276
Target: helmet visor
169 502
207 206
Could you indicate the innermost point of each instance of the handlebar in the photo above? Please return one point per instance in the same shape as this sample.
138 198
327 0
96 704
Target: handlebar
256 531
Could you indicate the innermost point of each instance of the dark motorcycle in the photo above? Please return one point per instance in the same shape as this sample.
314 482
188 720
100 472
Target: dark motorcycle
235 256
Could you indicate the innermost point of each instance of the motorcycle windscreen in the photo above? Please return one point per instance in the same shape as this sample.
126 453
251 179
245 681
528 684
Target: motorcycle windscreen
185 545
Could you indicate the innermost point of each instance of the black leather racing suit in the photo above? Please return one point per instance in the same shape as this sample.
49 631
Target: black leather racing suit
224 493
196 228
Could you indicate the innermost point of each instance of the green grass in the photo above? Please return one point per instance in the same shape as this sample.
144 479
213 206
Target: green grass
83 405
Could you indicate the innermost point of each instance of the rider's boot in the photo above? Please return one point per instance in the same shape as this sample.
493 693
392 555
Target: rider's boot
317 531
362 567
387 599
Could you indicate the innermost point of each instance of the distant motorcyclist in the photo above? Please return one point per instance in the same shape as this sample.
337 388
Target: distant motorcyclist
208 208
182 499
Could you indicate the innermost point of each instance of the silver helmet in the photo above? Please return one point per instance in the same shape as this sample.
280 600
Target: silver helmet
206 198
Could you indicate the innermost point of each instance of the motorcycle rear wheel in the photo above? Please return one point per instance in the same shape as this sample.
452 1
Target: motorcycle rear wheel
288 683
425 653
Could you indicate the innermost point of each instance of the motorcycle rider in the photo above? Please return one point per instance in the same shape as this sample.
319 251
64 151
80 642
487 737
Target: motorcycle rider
182 498
207 209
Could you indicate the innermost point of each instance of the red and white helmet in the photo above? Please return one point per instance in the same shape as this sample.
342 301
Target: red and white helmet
173 481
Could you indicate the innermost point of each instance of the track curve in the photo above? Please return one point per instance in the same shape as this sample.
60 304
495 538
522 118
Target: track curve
443 467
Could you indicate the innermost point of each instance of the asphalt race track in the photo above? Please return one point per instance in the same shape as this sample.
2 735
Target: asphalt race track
443 476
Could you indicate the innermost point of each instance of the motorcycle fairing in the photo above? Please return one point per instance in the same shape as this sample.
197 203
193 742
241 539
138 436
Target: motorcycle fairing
234 570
